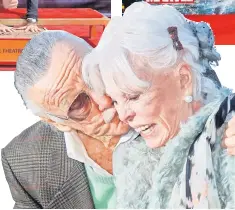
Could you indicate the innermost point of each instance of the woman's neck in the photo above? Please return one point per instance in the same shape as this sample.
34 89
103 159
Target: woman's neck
189 109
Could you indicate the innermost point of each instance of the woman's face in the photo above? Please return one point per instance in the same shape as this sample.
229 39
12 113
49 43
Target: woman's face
155 114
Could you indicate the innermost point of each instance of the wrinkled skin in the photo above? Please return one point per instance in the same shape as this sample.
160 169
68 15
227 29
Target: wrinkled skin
62 92
59 88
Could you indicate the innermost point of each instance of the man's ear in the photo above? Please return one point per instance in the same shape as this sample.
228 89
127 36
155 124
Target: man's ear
59 126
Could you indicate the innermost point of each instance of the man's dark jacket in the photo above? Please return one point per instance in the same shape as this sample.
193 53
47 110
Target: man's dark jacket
41 175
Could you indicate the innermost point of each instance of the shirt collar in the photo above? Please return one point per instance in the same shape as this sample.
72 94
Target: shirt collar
76 150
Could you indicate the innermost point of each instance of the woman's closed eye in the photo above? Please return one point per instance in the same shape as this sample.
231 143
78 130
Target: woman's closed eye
133 98
128 98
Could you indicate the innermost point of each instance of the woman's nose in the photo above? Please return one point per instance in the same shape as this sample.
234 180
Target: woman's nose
126 115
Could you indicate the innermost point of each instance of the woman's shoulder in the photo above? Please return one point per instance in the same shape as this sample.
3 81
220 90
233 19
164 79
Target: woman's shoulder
223 162
128 152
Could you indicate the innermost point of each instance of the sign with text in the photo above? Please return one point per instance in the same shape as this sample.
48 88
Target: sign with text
10 49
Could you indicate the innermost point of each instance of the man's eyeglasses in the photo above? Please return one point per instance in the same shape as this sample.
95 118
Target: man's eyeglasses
79 110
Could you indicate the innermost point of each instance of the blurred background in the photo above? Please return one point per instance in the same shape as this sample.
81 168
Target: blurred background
103 6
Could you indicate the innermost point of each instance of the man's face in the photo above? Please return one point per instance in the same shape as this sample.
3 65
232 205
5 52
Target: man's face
62 93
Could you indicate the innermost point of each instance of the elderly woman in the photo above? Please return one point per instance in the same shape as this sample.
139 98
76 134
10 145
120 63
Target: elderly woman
156 66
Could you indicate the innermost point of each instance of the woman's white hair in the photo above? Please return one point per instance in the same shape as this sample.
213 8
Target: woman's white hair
140 40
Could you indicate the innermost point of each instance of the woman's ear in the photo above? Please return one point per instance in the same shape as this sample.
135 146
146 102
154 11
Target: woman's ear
186 81
59 126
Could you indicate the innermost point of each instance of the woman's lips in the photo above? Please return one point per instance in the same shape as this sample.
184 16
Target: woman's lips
146 130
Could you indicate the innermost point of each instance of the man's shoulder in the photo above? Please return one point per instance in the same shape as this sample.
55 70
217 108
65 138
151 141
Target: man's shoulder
38 144
35 138
38 158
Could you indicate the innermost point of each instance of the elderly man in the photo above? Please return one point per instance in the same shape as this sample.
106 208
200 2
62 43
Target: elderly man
70 168
47 168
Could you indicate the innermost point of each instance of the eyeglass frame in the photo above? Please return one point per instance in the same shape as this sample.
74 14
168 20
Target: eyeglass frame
67 117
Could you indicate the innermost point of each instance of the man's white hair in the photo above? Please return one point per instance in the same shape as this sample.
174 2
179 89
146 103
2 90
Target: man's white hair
34 62
140 39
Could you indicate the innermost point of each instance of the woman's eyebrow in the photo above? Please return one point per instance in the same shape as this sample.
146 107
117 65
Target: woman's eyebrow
128 95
